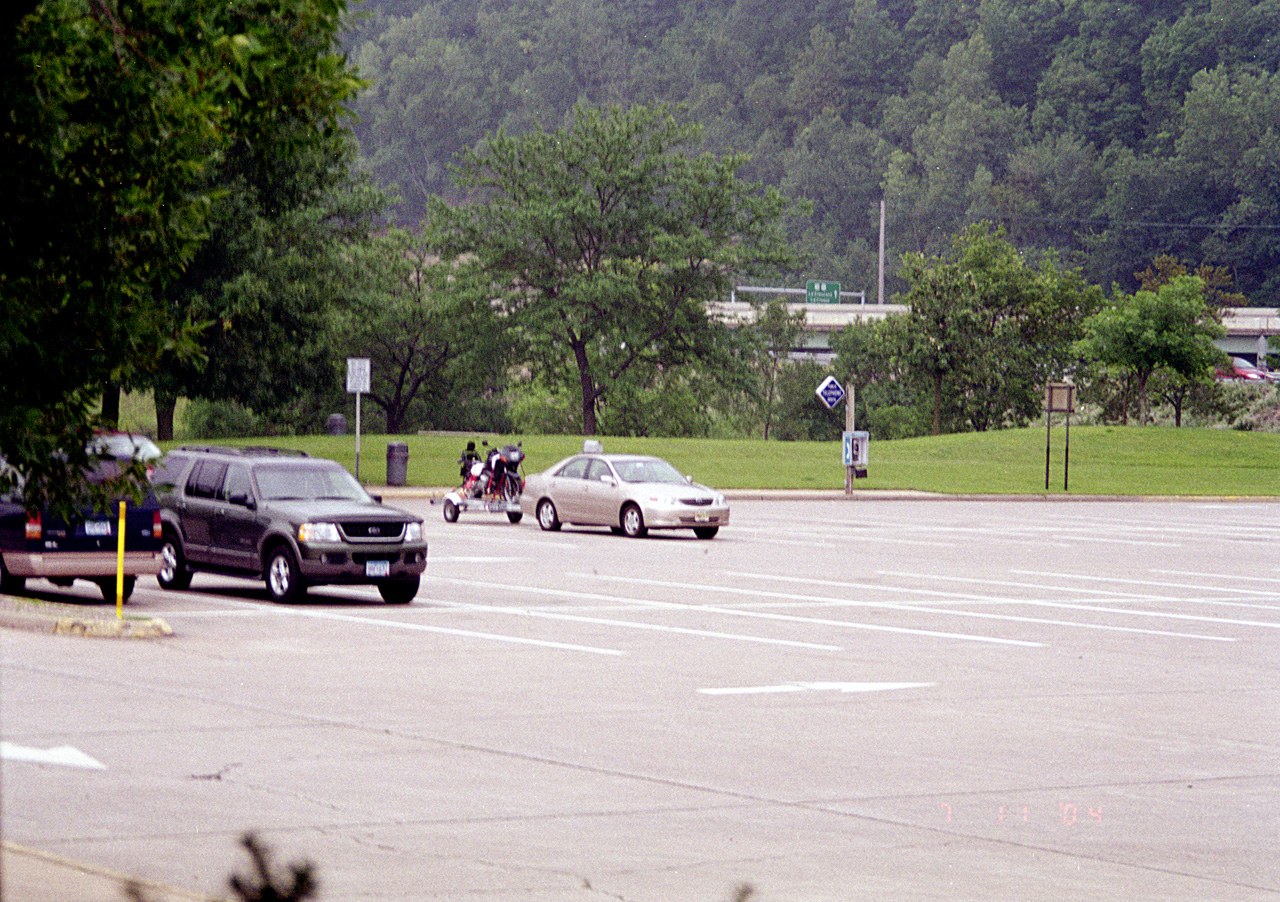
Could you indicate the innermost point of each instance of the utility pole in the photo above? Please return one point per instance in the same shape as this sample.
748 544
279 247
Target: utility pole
880 281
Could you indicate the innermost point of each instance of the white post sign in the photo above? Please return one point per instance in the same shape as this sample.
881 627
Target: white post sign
359 374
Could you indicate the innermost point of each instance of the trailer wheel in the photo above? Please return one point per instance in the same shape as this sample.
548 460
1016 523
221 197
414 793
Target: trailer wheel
450 512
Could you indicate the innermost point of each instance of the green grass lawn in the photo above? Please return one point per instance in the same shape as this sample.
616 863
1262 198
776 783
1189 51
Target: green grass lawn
1105 460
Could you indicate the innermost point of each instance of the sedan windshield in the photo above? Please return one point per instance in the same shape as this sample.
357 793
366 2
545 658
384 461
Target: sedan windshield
295 483
648 469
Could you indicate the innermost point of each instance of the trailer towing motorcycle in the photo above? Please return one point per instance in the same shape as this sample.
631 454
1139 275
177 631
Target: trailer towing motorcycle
491 484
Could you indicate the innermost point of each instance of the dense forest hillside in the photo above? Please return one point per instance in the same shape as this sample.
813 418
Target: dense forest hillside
1107 132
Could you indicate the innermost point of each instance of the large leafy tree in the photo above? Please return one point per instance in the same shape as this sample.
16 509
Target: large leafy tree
986 331
433 339
1171 329
284 206
612 241
114 115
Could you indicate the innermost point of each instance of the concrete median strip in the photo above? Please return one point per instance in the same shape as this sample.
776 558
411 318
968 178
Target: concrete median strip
73 620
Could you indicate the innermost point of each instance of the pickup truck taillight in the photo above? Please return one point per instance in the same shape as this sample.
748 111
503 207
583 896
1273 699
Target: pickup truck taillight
157 531
34 530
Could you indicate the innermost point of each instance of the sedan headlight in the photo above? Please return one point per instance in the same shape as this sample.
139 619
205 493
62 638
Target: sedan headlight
319 532
413 531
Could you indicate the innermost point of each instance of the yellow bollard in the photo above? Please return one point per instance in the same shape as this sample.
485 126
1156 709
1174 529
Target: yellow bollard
120 567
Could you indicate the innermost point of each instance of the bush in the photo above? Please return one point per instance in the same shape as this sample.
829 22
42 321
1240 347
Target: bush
221 419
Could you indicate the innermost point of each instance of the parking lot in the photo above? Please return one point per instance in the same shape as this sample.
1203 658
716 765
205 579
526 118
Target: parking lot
831 700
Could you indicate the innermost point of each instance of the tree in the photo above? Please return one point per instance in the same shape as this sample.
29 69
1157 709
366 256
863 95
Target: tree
612 241
114 115
777 329
1170 329
427 327
986 331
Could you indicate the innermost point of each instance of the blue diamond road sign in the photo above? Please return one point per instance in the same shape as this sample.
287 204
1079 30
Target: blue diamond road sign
830 392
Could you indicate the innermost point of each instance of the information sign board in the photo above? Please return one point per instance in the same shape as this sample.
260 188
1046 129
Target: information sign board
830 392
822 292
359 375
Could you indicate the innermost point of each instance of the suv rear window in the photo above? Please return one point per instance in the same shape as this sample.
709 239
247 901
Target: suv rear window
206 478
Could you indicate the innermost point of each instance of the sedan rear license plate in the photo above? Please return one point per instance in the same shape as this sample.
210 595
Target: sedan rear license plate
97 528
375 569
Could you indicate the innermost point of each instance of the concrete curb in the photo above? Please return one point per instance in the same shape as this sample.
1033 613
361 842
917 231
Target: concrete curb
64 620
391 494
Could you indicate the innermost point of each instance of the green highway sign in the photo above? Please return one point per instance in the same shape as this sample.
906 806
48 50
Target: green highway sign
822 293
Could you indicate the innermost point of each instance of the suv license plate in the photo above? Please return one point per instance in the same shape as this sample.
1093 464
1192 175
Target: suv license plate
375 569
97 528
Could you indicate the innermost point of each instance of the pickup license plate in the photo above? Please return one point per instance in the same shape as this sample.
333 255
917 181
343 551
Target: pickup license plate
375 569
97 528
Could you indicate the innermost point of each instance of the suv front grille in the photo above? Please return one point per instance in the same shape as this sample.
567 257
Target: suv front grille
373 530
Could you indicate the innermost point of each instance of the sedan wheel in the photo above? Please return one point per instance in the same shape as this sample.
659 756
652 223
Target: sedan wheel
284 581
633 522
548 519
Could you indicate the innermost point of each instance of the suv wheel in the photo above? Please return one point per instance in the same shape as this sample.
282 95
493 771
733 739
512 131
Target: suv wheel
284 579
10 584
108 587
399 591
174 572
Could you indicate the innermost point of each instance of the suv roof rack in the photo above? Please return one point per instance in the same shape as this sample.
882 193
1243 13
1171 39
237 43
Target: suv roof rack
248 451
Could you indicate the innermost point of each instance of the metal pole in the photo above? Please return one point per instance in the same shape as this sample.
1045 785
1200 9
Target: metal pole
1048 430
357 436
880 282
849 416
1066 460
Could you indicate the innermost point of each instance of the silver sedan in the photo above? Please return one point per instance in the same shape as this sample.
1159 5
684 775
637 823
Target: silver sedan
629 493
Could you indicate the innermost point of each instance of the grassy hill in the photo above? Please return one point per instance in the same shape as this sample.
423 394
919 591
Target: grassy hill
1104 460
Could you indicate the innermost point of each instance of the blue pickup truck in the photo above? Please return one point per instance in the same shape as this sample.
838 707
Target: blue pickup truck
61 550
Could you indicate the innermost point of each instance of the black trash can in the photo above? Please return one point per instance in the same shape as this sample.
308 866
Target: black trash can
397 463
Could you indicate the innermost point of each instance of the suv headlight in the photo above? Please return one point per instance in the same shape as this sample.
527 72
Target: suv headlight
319 532
413 531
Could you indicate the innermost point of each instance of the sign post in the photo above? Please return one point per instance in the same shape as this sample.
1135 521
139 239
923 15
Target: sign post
1059 397
853 444
358 382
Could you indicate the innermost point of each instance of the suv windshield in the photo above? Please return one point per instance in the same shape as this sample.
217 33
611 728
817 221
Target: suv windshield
304 483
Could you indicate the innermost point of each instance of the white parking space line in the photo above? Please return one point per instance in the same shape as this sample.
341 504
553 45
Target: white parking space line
1234 577
1130 612
1139 582
424 628
911 608
1114 595
792 618
629 624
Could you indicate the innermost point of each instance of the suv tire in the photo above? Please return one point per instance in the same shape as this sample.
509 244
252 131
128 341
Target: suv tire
174 573
284 579
399 591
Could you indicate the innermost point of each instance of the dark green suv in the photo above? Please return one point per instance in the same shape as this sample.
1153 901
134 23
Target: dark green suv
284 517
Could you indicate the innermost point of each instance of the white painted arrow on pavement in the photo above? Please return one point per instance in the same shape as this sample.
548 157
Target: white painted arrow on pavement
63 755
815 687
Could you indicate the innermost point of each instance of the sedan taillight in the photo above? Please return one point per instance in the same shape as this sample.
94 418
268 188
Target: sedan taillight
34 529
